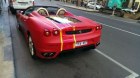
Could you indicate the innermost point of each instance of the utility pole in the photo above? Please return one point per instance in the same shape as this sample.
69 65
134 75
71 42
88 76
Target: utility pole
95 2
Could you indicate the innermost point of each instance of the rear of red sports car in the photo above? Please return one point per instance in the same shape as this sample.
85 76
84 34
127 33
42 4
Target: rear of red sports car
51 30
66 33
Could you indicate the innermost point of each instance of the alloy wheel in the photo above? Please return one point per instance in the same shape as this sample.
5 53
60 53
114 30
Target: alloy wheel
31 46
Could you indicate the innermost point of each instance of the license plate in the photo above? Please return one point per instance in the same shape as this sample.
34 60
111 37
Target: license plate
81 43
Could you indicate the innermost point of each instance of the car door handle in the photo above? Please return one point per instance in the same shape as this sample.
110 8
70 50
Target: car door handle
24 20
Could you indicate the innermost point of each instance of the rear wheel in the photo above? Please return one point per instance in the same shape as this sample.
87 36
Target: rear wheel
31 47
101 10
18 26
97 8
0 10
120 13
13 11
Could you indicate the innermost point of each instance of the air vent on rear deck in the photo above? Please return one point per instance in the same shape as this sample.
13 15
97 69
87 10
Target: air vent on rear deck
78 31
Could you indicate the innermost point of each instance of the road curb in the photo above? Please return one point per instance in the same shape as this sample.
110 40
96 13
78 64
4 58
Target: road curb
79 8
14 70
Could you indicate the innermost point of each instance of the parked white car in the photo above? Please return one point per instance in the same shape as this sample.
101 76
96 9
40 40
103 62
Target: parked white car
19 4
92 5
85 2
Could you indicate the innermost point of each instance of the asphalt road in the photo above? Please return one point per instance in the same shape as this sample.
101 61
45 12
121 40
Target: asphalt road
117 56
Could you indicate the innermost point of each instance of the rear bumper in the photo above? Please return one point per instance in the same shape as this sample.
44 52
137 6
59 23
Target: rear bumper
67 45
40 55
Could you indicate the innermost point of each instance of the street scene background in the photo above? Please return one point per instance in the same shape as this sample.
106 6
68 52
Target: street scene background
116 57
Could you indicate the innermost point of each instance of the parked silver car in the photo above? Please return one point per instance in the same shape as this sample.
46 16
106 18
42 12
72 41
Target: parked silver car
92 5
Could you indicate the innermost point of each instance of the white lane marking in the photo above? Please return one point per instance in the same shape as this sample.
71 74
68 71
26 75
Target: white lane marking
132 75
119 29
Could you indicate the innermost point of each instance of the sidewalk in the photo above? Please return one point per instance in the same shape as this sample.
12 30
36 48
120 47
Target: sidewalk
6 52
70 5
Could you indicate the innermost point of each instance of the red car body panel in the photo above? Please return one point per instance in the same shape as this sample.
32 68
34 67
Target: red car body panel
35 24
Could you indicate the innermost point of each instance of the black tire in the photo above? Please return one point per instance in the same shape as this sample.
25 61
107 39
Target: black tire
120 13
18 25
13 11
101 10
0 10
31 47
97 8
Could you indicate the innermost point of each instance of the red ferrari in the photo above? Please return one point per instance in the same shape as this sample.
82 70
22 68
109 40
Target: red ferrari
50 30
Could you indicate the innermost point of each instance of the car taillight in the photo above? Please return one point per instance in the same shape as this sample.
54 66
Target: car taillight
47 32
99 27
55 32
